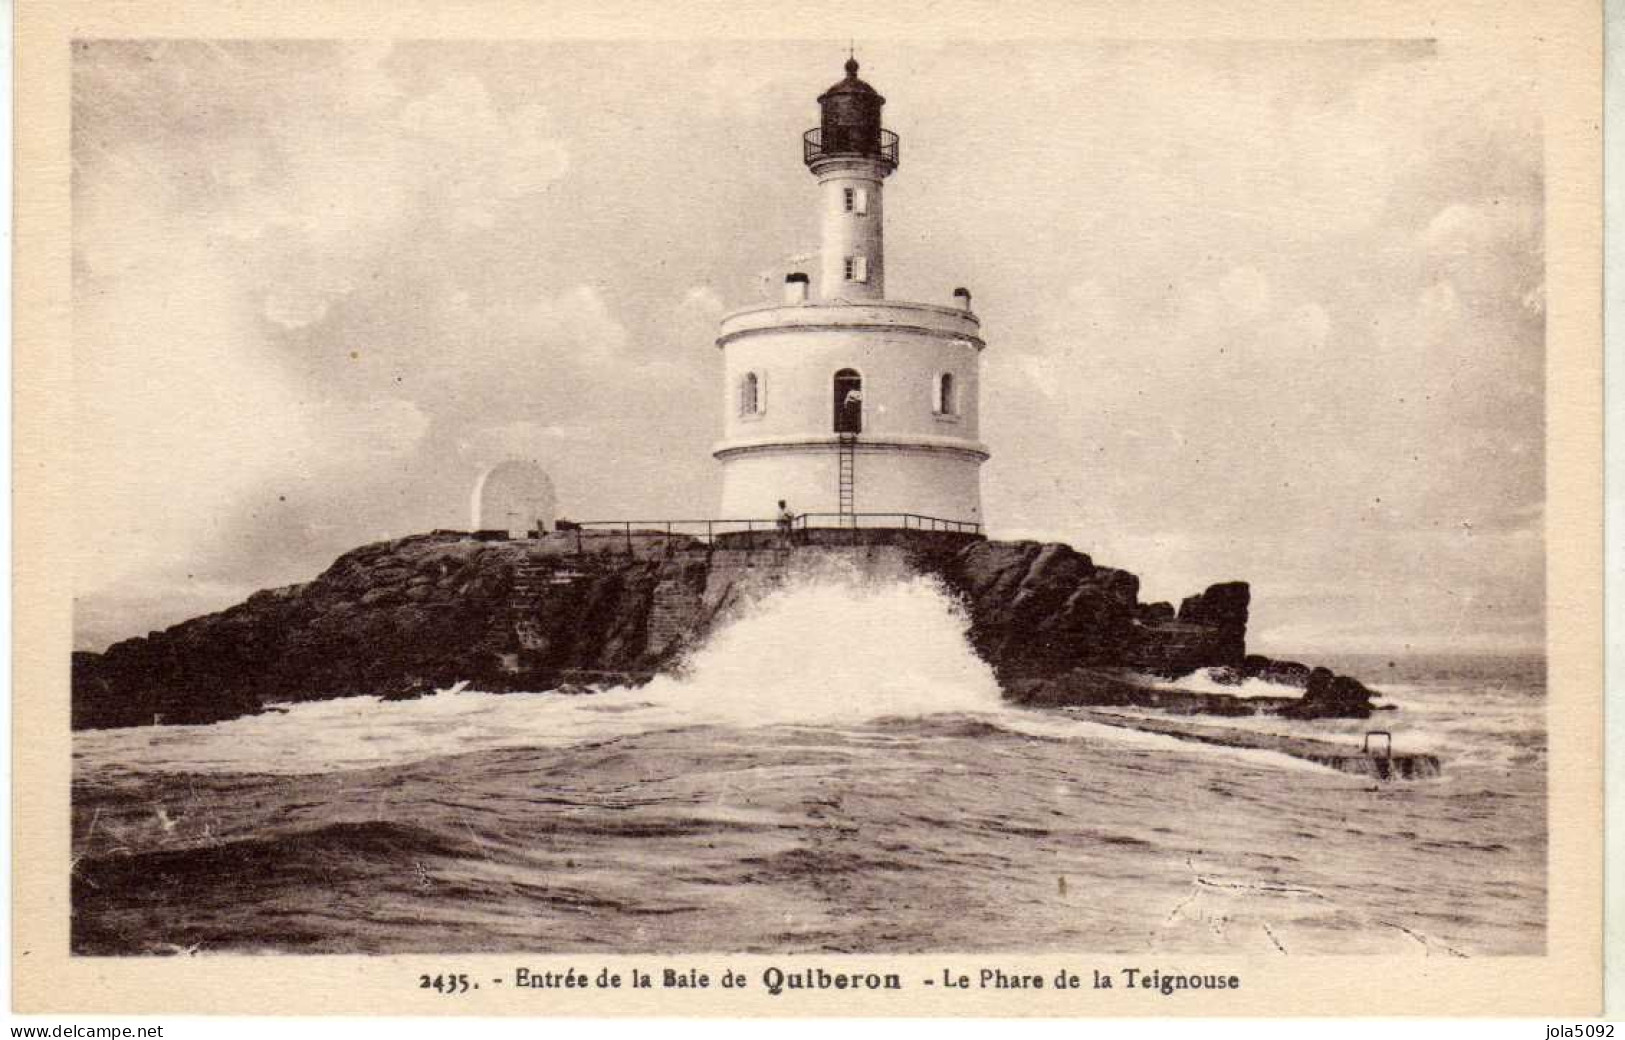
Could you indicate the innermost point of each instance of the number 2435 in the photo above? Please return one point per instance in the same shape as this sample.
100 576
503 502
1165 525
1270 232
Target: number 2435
447 984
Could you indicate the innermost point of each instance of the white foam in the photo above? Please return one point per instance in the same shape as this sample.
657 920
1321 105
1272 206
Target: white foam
1071 728
837 648
1202 681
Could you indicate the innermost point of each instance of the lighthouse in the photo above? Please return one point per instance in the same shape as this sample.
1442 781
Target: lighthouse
854 409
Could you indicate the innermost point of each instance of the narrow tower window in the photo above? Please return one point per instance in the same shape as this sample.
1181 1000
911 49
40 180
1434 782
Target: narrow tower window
750 397
946 402
857 269
848 401
851 199
860 201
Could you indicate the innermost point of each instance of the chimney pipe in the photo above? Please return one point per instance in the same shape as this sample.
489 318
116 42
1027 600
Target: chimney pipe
795 288
963 295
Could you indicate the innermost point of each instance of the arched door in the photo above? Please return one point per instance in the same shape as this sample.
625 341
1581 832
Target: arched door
848 401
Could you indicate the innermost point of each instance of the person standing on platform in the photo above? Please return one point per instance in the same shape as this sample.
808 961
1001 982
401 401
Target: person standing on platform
786 521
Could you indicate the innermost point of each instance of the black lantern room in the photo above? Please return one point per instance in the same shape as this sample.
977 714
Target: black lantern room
849 122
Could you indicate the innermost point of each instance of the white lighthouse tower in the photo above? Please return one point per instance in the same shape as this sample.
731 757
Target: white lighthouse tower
852 408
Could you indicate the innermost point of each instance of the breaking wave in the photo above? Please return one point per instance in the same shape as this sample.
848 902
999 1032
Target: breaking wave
833 648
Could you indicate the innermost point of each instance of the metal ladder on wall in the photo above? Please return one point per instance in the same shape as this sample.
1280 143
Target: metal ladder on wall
846 466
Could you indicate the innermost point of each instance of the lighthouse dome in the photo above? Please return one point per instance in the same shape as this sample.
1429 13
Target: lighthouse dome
849 119
851 85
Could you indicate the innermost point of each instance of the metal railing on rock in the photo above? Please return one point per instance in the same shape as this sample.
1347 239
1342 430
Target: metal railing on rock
799 529
884 521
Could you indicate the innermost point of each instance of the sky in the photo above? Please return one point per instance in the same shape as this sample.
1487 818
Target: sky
1260 311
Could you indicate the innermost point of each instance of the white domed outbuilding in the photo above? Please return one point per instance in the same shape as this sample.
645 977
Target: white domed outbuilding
516 496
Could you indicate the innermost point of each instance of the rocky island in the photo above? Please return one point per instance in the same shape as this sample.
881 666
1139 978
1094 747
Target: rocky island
576 609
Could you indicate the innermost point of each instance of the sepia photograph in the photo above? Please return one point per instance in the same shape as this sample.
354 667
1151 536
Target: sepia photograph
824 495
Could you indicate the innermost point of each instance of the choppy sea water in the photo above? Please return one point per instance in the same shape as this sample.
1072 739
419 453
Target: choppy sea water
833 772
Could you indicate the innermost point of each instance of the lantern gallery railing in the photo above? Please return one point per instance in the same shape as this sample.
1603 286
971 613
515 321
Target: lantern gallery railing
590 534
815 146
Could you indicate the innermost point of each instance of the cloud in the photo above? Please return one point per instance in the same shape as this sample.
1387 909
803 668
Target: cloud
701 303
344 433
581 322
1369 391
736 87
481 158
523 439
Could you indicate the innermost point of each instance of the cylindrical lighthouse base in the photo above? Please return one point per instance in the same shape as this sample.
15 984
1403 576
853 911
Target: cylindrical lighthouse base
887 478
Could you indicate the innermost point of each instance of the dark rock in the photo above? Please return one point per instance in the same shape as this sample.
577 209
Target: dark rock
1328 695
408 689
1286 673
1037 608
402 618
1104 687
1222 607
1154 613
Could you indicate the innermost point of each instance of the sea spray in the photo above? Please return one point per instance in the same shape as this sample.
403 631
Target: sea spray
835 647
